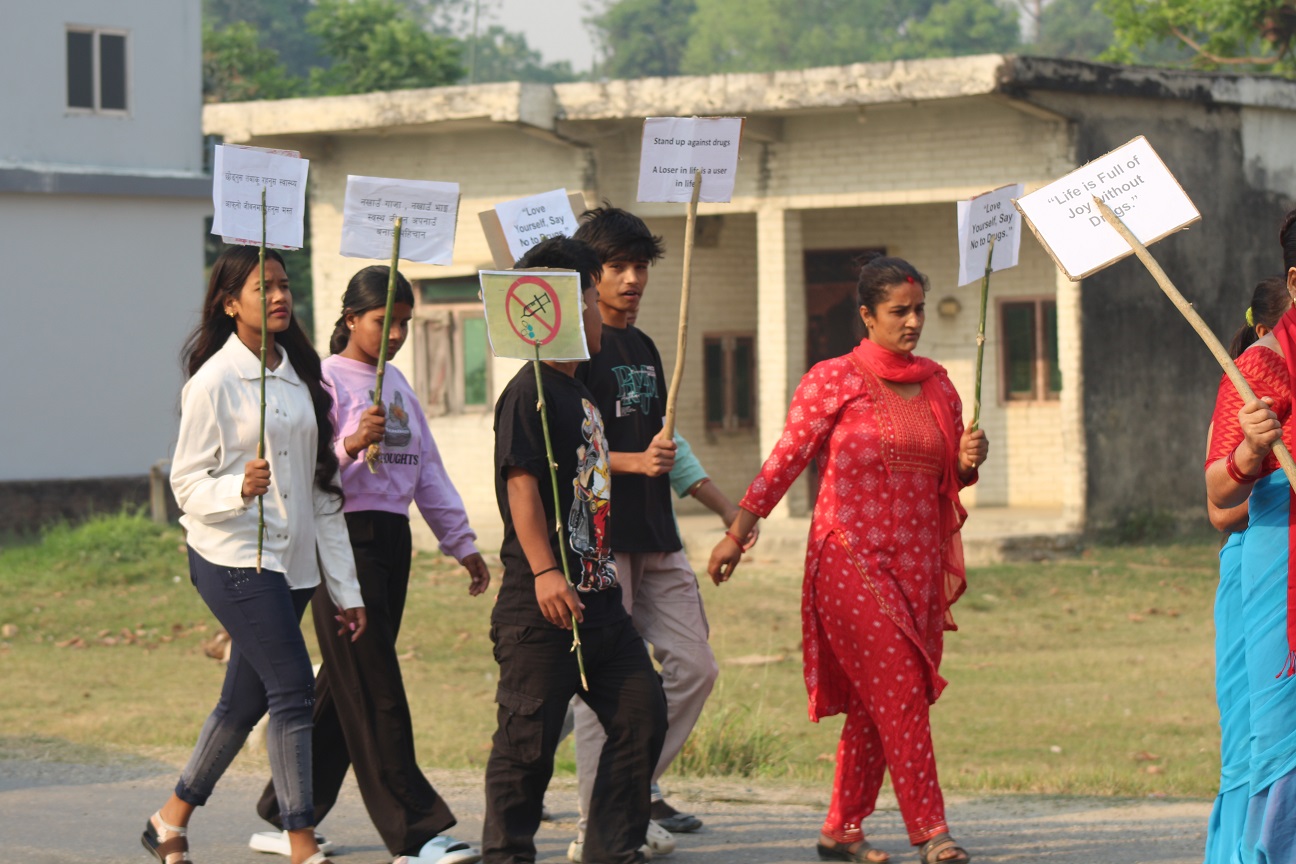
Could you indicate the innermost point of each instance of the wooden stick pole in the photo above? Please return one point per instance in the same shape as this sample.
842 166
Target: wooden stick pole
985 296
265 334
690 228
371 455
558 522
1186 309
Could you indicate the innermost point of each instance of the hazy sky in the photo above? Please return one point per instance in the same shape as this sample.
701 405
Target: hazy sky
551 26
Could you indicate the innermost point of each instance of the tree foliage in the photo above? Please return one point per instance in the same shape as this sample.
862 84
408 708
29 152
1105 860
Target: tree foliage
667 37
378 45
504 55
1247 35
236 68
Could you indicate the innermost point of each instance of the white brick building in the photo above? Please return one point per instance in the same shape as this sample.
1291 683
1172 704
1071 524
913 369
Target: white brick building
1095 398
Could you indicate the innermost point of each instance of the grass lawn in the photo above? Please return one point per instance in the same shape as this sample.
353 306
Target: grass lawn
1090 675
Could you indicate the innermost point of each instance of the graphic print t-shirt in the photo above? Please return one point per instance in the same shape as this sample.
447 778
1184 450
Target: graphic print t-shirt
584 486
629 387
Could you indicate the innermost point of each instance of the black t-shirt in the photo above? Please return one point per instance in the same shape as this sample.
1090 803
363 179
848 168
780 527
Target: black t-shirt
629 387
584 487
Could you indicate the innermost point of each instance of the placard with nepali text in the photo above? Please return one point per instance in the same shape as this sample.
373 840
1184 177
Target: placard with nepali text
675 148
428 209
239 173
1138 187
529 307
980 218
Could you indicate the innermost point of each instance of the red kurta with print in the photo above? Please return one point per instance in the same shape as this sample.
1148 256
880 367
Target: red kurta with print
880 458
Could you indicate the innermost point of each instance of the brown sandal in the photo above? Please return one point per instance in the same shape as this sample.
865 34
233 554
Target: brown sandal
863 852
931 851
177 843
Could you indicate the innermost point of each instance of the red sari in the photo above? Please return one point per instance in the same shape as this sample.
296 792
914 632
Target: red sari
883 566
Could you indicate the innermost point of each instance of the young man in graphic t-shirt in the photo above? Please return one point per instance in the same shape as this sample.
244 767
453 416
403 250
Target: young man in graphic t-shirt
531 621
660 588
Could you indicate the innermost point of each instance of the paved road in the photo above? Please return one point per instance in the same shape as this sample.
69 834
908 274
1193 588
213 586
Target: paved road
56 813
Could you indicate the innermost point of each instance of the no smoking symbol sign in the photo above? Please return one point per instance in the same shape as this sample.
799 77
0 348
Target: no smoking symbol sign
533 310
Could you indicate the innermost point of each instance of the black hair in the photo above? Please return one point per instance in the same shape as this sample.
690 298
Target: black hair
1287 239
618 235
879 275
1269 301
367 290
564 253
228 275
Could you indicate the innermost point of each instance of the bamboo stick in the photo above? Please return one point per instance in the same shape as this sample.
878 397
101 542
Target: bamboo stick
985 295
677 376
265 328
371 455
553 485
1186 309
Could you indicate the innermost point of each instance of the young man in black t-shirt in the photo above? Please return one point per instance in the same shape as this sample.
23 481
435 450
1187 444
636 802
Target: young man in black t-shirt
531 621
660 588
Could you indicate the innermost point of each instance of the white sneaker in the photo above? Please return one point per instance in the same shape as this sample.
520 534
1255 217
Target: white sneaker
660 841
276 843
576 850
443 849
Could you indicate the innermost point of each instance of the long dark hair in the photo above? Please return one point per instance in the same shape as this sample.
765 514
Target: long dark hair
367 290
228 276
1269 301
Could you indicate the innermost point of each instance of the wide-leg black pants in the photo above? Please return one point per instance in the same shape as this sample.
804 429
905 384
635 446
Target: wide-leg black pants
362 718
538 677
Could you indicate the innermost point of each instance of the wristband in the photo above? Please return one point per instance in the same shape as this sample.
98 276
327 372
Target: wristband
742 546
1236 473
549 570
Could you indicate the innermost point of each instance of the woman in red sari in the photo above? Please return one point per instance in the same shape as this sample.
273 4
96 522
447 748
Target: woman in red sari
884 562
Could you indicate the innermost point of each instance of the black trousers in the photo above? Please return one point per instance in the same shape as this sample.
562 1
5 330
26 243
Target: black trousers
538 677
362 718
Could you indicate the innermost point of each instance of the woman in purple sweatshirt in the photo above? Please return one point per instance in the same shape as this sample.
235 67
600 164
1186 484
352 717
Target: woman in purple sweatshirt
362 718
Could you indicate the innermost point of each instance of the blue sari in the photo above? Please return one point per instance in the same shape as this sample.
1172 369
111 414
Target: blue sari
1270 833
1227 824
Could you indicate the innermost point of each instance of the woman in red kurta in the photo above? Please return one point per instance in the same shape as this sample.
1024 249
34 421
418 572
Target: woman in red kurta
884 562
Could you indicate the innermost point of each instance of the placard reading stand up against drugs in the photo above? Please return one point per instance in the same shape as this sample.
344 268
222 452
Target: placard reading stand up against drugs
428 209
676 148
529 307
1138 187
239 173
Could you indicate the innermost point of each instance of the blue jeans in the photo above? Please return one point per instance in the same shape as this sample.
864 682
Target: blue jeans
269 668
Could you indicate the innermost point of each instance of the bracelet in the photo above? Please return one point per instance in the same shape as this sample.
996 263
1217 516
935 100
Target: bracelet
742 545
698 486
1236 473
542 572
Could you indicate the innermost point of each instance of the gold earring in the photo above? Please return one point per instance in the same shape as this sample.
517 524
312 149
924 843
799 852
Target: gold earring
230 313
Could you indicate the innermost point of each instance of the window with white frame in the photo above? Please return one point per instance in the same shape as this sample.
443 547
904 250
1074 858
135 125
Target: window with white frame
1028 356
452 366
97 79
729 380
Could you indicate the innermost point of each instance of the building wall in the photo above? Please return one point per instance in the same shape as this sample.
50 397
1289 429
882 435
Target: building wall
161 129
1149 382
101 294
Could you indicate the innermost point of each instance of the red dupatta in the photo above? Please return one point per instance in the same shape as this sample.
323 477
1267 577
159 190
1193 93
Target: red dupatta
1285 333
912 369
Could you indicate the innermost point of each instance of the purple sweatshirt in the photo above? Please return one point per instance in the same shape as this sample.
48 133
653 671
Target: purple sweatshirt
409 467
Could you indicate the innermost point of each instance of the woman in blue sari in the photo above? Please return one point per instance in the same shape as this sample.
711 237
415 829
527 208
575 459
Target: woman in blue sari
1225 832
1241 464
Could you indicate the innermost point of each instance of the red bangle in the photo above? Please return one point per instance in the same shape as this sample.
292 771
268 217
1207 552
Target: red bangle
1236 473
730 535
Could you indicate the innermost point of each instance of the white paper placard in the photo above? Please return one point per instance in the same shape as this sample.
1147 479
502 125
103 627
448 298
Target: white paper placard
985 216
429 211
674 148
527 221
238 175
1134 182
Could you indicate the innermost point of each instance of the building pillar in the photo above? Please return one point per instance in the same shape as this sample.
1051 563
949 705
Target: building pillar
1072 452
780 332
